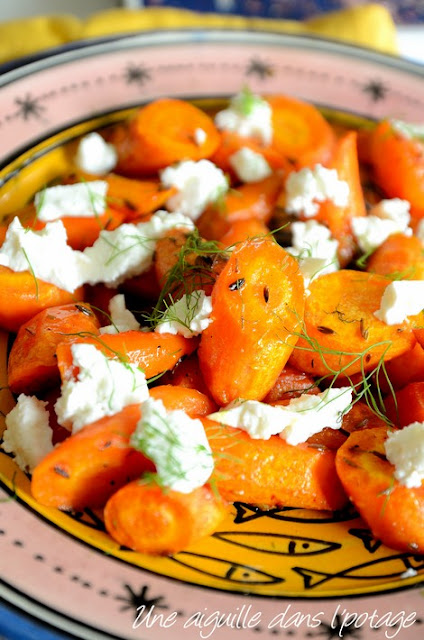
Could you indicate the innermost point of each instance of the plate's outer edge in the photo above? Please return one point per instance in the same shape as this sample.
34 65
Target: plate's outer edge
104 580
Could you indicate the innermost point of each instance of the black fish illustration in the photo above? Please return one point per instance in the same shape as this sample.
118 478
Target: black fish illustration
225 569
278 543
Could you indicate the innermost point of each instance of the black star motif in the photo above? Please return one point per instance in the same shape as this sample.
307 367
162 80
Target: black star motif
333 630
376 90
259 68
137 74
29 107
135 600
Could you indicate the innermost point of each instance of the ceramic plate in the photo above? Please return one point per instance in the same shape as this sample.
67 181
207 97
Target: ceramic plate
280 573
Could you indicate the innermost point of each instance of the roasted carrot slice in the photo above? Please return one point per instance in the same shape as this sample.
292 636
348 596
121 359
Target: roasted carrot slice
291 383
149 519
399 256
152 352
271 472
407 405
242 230
84 470
300 132
257 304
192 401
338 219
394 513
341 333
398 164
22 297
136 198
164 132
406 368
253 200
32 364
187 373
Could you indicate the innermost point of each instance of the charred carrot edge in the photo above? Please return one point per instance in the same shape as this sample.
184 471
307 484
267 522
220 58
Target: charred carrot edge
394 513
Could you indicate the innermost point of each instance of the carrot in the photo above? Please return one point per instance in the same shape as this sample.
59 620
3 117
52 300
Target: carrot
241 230
22 297
400 256
84 470
164 132
232 142
271 472
291 383
83 232
407 405
152 352
338 219
300 132
149 519
167 251
341 333
186 373
136 198
394 513
32 364
193 402
257 305
253 200
406 368
398 164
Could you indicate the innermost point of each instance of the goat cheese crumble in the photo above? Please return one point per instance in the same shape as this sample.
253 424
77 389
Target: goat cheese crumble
102 387
249 165
306 188
80 200
198 183
176 443
401 299
28 435
96 156
314 248
121 318
295 422
189 316
405 450
248 115
385 218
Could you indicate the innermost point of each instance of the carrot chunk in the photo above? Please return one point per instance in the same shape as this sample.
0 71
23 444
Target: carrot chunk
257 305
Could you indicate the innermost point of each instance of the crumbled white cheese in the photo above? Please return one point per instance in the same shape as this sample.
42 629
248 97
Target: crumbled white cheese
407 130
189 316
249 116
401 299
200 136
102 388
81 200
198 183
295 422
94 155
122 319
128 250
28 435
176 443
385 218
44 253
314 248
306 188
405 450
259 420
249 165
315 412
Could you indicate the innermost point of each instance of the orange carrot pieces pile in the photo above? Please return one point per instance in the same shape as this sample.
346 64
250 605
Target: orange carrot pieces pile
257 307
